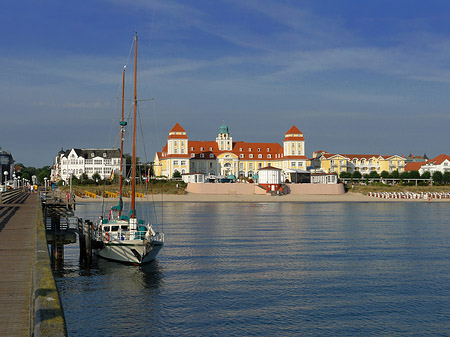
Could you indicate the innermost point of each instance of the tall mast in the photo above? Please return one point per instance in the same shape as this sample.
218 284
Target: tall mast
122 132
133 166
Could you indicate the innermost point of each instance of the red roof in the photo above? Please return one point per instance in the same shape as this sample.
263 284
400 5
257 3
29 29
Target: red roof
438 160
177 128
293 130
413 166
270 168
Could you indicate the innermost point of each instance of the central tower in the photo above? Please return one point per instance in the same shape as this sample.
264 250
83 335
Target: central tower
224 140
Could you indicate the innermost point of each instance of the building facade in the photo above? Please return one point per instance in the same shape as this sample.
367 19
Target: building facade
6 165
440 163
364 163
225 157
89 161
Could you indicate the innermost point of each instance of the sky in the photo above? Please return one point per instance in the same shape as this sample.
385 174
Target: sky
356 77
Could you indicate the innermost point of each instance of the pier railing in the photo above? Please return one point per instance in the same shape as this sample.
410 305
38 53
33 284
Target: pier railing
10 196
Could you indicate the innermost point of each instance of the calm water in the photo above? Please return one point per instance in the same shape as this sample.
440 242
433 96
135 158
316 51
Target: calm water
243 269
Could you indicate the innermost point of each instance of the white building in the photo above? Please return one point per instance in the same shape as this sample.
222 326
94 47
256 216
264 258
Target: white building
89 161
440 163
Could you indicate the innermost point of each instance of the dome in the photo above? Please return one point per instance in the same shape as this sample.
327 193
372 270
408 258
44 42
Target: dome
223 129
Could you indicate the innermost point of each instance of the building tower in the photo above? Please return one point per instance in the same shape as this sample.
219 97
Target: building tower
294 143
224 140
177 142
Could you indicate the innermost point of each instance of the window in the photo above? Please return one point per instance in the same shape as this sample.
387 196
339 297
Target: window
108 162
210 165
104 154
249 149
241 156
211 155
175 162
97 162
183 163
259 165
259 150
210 149
240 149
192 148
250 166
201 148
293 164
192 155
92 154
250 155
268 150
202 155
269 156
260 156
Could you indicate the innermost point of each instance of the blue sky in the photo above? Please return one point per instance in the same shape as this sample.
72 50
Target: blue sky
354 76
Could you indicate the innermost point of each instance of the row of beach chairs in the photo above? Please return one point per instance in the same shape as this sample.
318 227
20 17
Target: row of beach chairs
410 195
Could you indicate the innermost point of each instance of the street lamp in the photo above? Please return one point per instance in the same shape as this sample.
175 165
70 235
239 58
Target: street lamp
6 177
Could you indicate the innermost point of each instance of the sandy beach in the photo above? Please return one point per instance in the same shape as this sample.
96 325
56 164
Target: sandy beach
192 197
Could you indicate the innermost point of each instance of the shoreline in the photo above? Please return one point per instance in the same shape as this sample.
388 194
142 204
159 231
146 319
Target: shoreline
192 197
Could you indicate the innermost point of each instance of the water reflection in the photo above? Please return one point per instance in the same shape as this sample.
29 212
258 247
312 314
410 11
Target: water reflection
285 268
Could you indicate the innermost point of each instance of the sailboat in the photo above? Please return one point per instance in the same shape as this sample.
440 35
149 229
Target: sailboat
126 238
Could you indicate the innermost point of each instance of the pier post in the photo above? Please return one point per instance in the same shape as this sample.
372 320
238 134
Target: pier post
88 237
85 236
57 245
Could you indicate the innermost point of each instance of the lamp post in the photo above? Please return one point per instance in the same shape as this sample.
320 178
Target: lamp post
6 178
45 183
71 172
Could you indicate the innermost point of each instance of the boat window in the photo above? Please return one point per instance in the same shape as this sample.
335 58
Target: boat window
124 228
115 228
106 228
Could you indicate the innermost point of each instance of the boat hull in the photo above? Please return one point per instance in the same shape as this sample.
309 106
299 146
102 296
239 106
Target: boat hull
135 252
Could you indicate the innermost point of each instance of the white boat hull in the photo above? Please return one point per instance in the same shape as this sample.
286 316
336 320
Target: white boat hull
130 251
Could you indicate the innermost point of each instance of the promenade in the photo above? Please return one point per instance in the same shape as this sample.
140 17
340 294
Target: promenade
17 249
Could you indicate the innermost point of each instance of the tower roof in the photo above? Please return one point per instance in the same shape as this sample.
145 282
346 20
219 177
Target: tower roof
177 132
293 130
223 128
177 128
293 134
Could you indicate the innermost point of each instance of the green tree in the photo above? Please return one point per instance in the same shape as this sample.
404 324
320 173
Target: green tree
446 178
426 175
373 174
437 177
404 175
96 177
384 174
395 174
43 173
356 175
345 175
414 175
176 174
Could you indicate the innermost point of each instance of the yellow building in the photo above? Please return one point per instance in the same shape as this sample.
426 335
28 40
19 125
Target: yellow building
225 157
364 163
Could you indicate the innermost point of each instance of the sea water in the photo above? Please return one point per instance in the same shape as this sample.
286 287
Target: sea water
271 269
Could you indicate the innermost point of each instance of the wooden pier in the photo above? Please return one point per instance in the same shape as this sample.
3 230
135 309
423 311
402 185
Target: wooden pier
29 300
